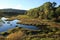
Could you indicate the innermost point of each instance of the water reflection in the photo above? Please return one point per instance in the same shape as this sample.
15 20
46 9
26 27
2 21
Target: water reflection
12 24
7 26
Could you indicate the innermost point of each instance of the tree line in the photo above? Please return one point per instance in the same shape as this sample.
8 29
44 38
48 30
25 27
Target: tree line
46 11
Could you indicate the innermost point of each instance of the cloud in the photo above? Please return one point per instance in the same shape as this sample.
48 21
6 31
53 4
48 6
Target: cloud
17 6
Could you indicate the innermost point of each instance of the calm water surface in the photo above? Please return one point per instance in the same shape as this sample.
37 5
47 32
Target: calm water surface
6 25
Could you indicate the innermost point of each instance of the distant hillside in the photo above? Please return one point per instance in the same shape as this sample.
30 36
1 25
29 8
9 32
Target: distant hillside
11 12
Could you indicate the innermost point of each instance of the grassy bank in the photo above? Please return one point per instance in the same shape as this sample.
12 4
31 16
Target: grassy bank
49 30
26 34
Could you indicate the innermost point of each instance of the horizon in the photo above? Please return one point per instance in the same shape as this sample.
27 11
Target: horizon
23 4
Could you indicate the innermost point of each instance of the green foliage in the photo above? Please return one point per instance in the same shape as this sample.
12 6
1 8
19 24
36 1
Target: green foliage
46 11
48 30
58 11
36 39
33 13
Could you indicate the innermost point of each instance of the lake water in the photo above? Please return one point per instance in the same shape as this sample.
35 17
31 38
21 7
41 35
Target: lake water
6 25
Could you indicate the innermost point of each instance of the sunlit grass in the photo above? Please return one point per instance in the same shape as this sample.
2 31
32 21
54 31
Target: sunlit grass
16 35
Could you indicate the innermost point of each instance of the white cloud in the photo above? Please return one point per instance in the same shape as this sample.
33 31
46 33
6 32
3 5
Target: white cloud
17 6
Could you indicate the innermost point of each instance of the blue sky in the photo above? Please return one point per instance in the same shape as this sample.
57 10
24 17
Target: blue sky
23 4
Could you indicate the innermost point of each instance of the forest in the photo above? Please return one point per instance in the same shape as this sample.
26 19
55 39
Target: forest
47 11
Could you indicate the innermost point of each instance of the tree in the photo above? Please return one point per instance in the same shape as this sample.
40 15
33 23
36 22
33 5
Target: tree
57 12
53 4
47 9
54 8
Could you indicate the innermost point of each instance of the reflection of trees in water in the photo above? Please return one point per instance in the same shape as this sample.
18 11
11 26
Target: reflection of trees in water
1 22
8 22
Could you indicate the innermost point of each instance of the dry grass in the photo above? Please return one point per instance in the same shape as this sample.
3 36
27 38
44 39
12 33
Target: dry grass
2 38
16 35
11 18
22 17
39 22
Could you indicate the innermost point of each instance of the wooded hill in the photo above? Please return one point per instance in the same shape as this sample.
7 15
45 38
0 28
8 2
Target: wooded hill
11 12
46 11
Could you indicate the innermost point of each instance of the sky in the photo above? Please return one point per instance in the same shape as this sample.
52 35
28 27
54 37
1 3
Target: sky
23 4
